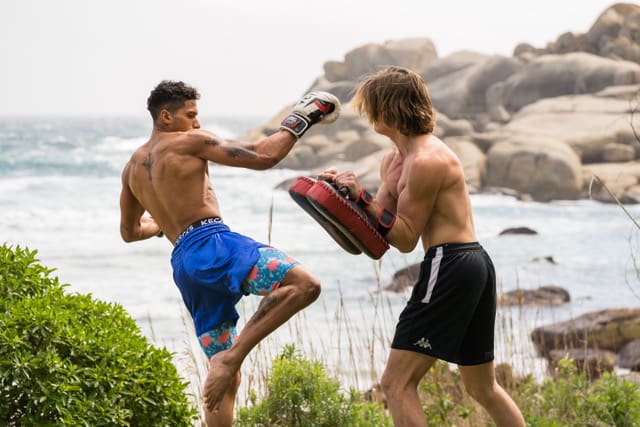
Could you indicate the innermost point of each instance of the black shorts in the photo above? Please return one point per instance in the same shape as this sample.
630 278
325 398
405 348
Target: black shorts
452 310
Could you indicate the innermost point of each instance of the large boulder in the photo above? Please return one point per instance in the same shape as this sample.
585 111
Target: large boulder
569 42
586 122
446 127
607 329
463 93
614 34
629 356
546 169
555 75
549 295
544 122
413 53
602 180
404 278
450 64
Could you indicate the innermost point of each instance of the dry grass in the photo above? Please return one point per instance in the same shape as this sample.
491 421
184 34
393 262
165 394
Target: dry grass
353 343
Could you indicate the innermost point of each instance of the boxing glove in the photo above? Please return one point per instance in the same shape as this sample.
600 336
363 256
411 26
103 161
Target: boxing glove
314 107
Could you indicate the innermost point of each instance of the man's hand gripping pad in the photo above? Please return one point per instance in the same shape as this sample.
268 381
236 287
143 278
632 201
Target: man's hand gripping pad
345 222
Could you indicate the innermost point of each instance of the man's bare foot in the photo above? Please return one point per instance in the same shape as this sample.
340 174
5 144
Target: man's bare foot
219 379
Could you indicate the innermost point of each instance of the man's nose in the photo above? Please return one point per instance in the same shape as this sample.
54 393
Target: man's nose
196 124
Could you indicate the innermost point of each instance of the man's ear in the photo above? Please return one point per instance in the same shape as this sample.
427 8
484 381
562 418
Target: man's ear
166 117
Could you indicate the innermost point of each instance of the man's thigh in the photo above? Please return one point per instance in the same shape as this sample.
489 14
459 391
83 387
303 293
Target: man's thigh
269 272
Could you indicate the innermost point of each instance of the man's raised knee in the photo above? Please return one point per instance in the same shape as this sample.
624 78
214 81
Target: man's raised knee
302 284
311 288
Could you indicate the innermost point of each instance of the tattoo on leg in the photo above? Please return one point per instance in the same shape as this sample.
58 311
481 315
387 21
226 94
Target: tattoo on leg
148 164
263 307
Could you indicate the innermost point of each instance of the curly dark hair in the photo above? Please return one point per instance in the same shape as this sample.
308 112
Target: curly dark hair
170 95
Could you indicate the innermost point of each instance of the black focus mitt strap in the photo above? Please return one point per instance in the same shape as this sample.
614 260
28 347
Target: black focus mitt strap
385 221
364 198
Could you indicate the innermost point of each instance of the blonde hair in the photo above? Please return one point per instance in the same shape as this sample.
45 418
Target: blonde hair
398 98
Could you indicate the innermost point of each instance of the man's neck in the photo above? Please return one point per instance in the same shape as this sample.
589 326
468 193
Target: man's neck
409 144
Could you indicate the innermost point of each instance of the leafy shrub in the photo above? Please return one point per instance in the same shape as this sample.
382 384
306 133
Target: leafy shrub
299 393
571 400
617 401
68 359
22 277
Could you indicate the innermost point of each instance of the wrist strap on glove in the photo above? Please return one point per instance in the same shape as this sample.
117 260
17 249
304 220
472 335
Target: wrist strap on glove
386 219
364 198
295 123
314 107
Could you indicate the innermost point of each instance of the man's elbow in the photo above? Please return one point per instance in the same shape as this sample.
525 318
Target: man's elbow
404 245
127 238
405 249
127 235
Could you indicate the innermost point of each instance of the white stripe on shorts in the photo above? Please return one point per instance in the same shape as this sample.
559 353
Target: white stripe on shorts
433 276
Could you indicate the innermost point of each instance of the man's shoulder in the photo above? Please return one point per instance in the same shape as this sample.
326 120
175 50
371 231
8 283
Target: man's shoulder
197 136
174 141
437 160
437 152
139 151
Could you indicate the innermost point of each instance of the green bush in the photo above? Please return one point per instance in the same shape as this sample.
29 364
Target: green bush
299 393
571 400
68 359
22 277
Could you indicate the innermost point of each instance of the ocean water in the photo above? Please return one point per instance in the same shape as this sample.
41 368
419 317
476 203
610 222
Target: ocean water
59 194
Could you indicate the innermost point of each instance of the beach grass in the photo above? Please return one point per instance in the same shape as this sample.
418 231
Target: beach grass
353 343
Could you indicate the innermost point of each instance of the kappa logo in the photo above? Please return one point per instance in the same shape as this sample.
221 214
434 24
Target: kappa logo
423 343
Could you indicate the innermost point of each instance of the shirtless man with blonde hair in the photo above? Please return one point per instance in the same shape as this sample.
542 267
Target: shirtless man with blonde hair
214 267
423 196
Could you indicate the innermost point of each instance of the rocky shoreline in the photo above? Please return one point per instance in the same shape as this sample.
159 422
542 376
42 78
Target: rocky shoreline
553 123
541 125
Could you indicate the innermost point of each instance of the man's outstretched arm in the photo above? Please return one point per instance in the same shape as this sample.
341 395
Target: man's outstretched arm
315 107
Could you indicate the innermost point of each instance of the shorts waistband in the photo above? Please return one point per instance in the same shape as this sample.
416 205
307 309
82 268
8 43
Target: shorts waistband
196 224
448 248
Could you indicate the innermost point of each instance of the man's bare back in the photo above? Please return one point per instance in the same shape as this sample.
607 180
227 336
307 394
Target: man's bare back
171 183
169 175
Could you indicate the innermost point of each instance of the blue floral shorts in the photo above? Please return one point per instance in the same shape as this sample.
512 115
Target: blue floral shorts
264 278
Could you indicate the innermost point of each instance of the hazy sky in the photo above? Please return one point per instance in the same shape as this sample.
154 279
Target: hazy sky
245 57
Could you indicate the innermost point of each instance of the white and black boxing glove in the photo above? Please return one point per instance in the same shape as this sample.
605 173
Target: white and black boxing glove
314 107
